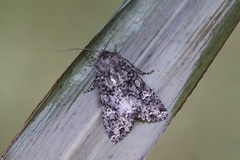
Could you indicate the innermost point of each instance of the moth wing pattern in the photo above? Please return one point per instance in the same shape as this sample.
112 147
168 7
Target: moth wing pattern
151 109
124 95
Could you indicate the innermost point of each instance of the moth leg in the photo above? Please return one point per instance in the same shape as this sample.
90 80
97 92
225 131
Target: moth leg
91 87
91 57
138 71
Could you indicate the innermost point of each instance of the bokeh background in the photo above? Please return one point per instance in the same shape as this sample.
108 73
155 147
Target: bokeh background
208 125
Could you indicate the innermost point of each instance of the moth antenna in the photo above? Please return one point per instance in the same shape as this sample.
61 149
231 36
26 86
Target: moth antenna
75 49
82 49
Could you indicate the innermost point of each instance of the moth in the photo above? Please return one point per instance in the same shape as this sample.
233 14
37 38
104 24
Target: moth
124 95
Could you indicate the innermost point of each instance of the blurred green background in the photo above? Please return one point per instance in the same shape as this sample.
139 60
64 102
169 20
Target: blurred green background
208 125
